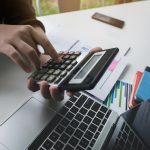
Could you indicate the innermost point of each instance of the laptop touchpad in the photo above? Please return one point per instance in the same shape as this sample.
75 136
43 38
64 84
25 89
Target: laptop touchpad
20 130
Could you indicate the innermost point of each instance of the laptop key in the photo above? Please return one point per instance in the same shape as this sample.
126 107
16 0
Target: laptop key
74 123
92 142
79 117
64 138
79 148
83 126
65 122
45 133
69 130
91 114
59 129
92 128
73 99
58 146
104 109
54 136
78 133
100 128
47 144
80 102
100 115
69 115
88 103
68 104
88 135
83 111
73 141
87 120
77 94
63 111
68 147
74 109
95 106
96 121
84 143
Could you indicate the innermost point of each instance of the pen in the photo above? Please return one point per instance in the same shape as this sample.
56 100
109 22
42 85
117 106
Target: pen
127 51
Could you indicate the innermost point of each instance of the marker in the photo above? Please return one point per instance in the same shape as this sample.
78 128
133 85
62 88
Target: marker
127 51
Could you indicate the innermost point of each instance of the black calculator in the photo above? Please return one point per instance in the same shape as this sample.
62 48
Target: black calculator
76 71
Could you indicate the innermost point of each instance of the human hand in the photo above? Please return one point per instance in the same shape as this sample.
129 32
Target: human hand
51 91
19 42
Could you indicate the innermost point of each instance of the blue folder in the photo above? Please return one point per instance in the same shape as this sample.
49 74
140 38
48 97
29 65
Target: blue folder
143 90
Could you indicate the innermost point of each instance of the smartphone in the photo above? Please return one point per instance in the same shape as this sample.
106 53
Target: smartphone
109 20
76 72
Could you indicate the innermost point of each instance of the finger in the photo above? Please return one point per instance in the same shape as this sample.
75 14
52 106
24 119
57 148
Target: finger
96 49
56 94
44 88
32 85
28 53
12 53
45 43
44 58
69 93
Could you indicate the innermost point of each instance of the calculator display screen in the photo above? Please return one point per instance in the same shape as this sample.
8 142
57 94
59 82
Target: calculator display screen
87 67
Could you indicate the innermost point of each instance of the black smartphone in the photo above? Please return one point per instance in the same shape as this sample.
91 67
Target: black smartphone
109 20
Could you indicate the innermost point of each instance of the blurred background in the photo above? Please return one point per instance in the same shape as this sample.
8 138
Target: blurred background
57 6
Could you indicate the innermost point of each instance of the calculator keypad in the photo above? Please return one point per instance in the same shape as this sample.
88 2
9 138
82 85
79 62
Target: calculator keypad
53 72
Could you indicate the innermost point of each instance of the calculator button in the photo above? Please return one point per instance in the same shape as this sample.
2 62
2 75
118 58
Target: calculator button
71 52
50 71
69 67
78 53
56 66
51 78
34 74
68 62
44 70
44 77
58 80
50 66
64 73
38 76
62 67
57 72
73 57
66 57
65 52
74 62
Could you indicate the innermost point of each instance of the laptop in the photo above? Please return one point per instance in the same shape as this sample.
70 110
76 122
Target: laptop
80 122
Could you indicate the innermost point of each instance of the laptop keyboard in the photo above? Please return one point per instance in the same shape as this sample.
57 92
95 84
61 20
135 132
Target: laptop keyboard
128 140
76 126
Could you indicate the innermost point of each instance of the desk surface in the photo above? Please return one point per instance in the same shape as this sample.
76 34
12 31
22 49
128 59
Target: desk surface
135 34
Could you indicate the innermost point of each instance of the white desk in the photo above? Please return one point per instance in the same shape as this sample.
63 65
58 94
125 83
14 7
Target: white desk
135 33
79 25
